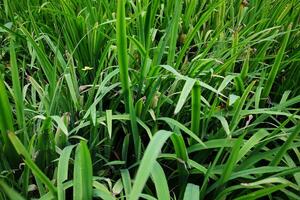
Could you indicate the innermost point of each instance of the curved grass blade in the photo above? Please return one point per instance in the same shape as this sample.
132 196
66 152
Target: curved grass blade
173 122
148 162
161 184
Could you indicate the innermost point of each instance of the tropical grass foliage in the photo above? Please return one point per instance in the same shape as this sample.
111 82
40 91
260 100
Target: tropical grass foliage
143 99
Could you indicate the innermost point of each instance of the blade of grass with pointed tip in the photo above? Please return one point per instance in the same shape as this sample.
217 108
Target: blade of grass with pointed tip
61 124
83 173
109 122
102 192
251 142
148 162
189 83
173 122
6 118
232 160
6 125
237 113
47 67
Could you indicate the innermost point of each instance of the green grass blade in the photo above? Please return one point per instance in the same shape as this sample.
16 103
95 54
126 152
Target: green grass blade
277 63
83 173
173 122
126 180
278 157
109 122
237 113
34 168
189 83
192 192
123 65
11 193
161 185
6 118
148 162
196 108
261 193
62 171
18 96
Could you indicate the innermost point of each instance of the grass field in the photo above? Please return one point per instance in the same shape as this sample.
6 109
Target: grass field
150 99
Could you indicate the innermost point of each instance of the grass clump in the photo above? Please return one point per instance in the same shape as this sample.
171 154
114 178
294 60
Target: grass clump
149 99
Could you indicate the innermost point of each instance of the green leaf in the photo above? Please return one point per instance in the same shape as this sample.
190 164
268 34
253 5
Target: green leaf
28 161
147 163
11 193
109 122
261 193
124 76
192 192
277 158
173 122
83 173
161 184
62 170
189 83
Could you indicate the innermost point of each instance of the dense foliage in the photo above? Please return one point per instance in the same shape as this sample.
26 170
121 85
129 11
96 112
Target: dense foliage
151 99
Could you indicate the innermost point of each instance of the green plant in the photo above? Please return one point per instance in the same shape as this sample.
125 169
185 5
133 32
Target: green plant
148 99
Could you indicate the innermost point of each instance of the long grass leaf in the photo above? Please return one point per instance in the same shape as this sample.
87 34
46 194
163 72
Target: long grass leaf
83 173
148 162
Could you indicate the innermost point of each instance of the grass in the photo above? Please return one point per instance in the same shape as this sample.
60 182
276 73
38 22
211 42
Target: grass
149 99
